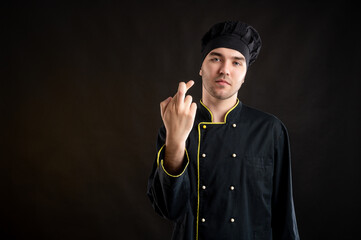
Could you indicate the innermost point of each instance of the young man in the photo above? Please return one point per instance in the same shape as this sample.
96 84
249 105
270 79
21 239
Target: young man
223 169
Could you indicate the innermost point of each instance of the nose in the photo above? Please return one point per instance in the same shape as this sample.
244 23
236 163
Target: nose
225 68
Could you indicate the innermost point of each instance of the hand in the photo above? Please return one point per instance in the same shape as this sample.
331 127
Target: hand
178 115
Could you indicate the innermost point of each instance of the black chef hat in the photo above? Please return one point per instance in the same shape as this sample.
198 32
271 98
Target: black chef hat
235 35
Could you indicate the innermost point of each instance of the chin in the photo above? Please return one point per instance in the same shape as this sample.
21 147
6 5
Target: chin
222 97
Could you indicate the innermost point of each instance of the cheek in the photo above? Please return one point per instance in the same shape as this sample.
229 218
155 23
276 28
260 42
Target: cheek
240 83
205 73
241 75
240 78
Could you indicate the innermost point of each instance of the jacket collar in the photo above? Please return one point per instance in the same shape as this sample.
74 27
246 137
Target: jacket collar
205 115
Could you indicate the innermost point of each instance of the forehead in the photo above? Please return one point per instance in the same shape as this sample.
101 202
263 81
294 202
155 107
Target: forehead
226 52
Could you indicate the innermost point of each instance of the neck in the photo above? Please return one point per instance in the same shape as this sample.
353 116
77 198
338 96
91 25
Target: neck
219 107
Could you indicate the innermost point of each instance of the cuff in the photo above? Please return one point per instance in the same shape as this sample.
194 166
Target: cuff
160 158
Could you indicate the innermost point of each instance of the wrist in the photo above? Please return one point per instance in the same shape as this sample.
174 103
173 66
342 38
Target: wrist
174 146
174 156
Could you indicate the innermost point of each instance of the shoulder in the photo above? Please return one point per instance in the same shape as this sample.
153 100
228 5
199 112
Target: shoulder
261 117
256 114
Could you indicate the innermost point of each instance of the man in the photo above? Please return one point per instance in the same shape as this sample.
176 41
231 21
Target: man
223 169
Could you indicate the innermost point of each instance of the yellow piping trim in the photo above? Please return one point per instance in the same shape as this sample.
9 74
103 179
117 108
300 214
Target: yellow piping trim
175 176
160 150
208 110
225 117
199 146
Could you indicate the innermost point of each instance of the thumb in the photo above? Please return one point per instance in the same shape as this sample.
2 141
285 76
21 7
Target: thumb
163 106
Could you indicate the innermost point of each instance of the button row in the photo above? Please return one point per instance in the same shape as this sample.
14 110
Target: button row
231 187
204 155
233 125
231 220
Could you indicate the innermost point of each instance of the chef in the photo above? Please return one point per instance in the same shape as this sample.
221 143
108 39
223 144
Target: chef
223 169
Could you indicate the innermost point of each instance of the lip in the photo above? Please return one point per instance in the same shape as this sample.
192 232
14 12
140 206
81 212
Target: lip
222 82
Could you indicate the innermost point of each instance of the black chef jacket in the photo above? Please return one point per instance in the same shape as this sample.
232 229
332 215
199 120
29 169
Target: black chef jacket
236 182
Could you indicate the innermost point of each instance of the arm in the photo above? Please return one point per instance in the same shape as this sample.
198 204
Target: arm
178 115
168 184
284 225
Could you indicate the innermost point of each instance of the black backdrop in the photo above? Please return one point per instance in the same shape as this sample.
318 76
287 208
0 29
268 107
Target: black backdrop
80 90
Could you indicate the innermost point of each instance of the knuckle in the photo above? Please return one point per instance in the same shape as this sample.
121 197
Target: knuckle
179 110
181 86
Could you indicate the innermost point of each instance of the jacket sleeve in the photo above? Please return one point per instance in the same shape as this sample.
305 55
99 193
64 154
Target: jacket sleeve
284 225
168 193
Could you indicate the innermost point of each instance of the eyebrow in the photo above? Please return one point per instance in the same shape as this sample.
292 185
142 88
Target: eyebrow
241 58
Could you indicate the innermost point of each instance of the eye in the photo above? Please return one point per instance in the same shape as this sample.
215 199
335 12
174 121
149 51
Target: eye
237 63
215 59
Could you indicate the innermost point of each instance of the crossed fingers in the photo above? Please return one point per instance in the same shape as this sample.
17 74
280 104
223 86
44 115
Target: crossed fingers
180 99
180 96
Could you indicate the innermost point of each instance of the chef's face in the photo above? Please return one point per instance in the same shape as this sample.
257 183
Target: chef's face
223 71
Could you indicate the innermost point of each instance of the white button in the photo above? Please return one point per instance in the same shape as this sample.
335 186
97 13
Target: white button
232 219
234 125
203 219
204 187
204 155
232 188
234 155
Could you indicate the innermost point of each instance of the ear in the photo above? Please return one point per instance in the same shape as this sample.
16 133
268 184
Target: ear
200 72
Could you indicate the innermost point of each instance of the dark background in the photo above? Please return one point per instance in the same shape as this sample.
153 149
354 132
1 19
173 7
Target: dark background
81 84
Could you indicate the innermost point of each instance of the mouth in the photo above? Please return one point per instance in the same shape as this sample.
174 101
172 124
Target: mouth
222 82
